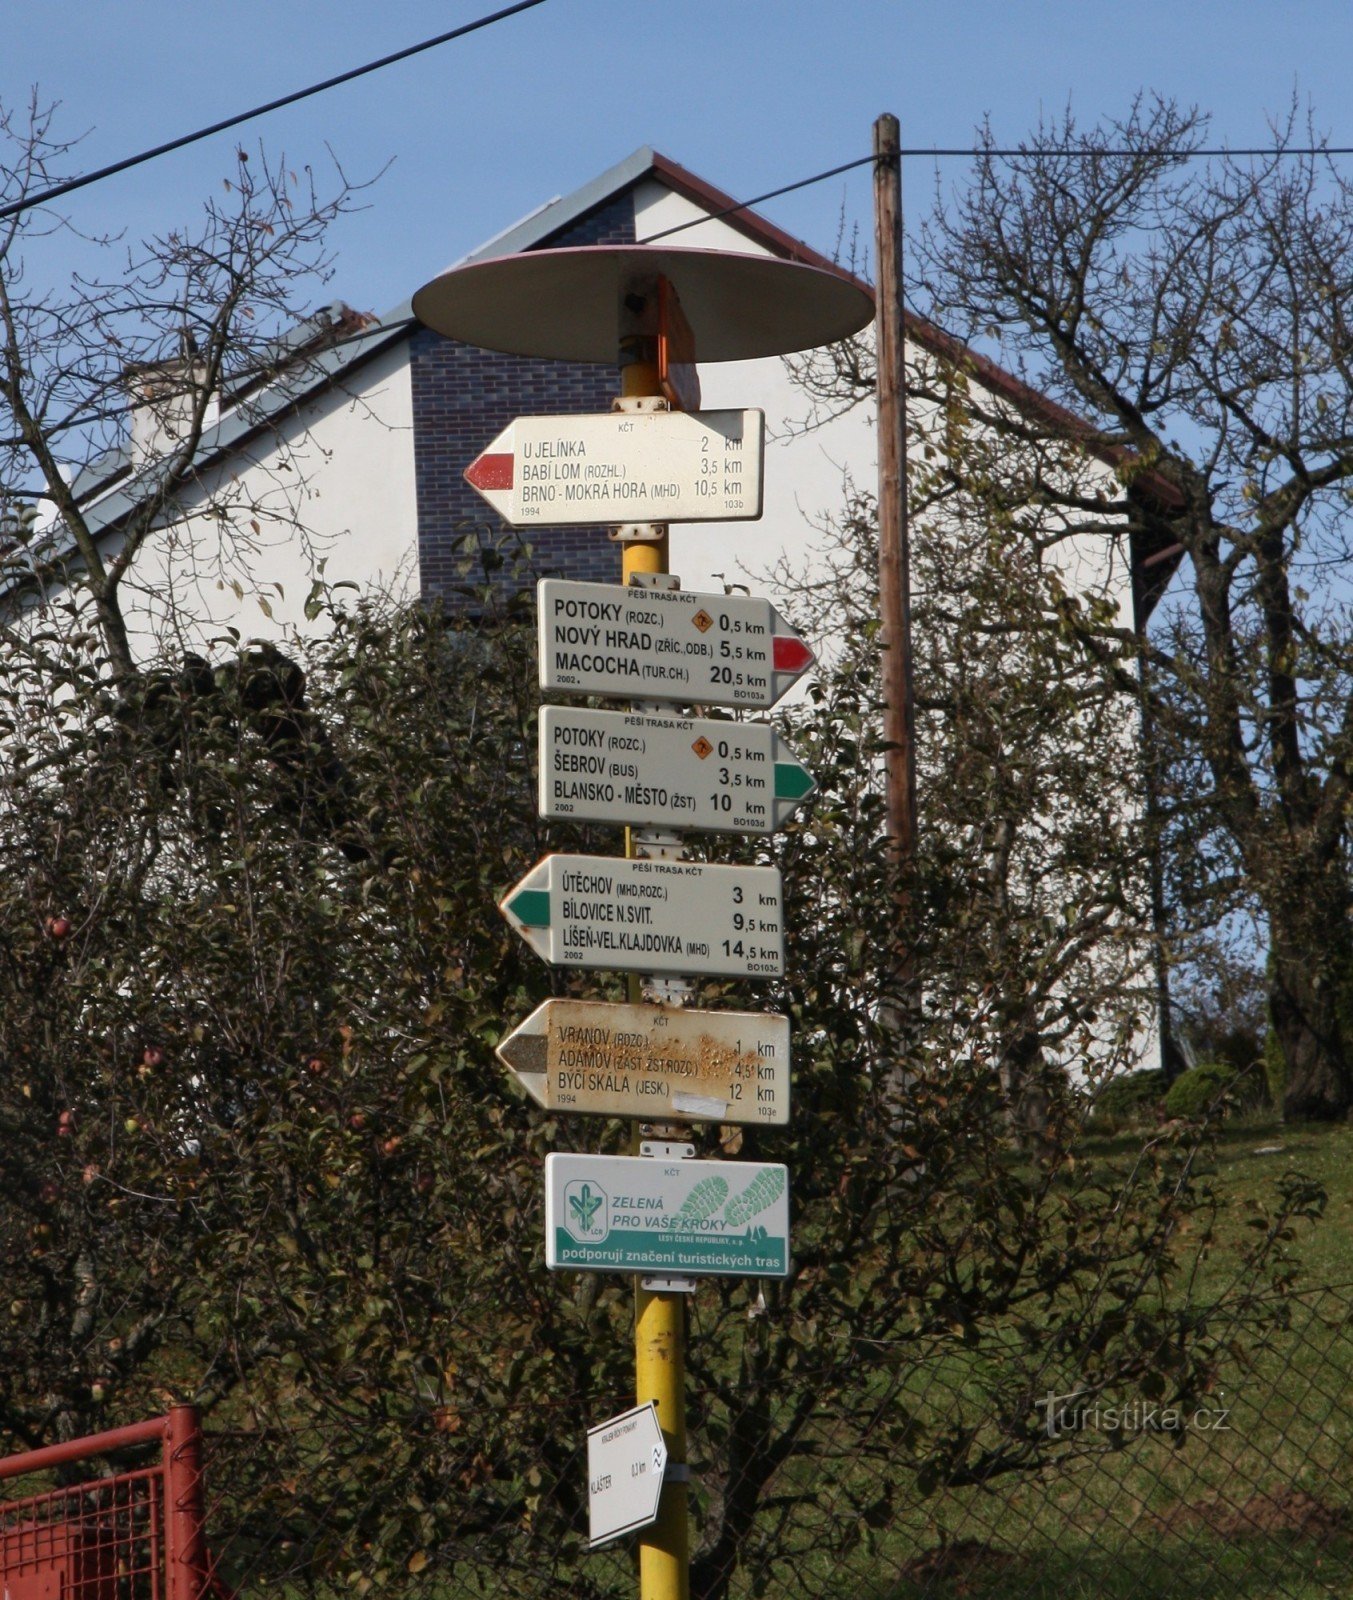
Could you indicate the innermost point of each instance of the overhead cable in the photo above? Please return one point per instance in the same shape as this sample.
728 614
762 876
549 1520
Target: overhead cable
28 202
972 152
1086 151
756 200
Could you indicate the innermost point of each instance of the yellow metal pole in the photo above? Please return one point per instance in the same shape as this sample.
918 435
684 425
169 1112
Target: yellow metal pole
660 1376
659 1319
637 379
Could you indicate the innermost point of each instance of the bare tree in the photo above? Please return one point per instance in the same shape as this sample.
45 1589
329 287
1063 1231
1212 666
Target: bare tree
1184 321
111 381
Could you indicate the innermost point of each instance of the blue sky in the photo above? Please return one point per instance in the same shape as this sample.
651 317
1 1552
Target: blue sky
750 94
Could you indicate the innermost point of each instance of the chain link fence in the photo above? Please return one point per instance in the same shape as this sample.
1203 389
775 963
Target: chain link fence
1246 1494
963 1461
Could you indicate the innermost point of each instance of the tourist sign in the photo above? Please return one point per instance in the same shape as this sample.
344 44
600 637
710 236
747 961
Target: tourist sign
662 1063
666 644
630 768
655 466
626 1460
666 1217
670 917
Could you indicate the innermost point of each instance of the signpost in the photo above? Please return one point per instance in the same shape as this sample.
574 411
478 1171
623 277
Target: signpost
660 1215
666 644
626 1460
651 916
630 768
666 1217
659 1063
658 466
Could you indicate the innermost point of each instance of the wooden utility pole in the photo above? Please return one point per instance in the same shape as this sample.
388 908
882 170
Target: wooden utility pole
899 708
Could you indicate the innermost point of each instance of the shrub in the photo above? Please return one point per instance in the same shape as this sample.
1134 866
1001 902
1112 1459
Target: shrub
1129 1097
1196 1092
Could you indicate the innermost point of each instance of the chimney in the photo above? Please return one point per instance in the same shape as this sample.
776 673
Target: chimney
163 395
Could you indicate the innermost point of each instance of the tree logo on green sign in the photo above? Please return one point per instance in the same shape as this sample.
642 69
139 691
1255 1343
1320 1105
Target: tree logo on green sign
585 1210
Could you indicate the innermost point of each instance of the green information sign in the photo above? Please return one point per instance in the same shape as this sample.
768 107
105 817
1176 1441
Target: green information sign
667 1218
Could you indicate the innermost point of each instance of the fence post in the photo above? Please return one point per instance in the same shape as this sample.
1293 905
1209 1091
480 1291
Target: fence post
185 1543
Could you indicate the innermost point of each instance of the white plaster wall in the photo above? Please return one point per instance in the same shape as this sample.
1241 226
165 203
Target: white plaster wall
806 473
327 493
345 495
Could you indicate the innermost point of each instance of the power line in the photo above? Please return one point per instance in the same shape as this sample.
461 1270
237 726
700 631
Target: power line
972 152
756 200
933 152
1182 155
28 202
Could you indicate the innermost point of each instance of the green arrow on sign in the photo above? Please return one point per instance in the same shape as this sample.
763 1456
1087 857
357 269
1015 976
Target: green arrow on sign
792 781
531 907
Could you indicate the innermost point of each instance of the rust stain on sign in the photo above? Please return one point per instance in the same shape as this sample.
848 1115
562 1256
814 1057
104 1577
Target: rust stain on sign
653 1061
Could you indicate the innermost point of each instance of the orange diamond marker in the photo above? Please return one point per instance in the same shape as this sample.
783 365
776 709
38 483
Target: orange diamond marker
703 620
703 747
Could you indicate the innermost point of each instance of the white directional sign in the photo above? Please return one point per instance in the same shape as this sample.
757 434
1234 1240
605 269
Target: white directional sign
629 768
626 1460
666 644
678 1218
663 1063
659 466
670 917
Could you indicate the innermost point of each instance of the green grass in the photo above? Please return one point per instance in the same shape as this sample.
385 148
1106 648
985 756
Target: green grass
1260 1507
1255 1510
1247 1569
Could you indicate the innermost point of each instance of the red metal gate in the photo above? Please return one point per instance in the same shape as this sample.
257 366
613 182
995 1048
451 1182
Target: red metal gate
133 1535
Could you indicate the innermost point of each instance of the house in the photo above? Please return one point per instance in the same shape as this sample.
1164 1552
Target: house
353 454
344 462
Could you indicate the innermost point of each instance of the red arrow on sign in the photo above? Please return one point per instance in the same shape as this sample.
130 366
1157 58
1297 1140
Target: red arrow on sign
492 470
790 654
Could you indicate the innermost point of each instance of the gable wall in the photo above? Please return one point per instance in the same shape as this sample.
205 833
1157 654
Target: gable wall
331 483
805 473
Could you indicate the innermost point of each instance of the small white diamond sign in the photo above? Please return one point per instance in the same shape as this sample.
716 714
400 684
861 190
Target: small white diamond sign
626 1460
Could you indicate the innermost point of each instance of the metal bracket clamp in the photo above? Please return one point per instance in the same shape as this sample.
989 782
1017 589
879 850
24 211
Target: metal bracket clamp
639 404
669 1285
676 1472
666 991
658 844
638 533
661 844
666 1149
654 580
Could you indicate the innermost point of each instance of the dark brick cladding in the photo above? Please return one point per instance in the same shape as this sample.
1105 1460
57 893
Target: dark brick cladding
463 397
